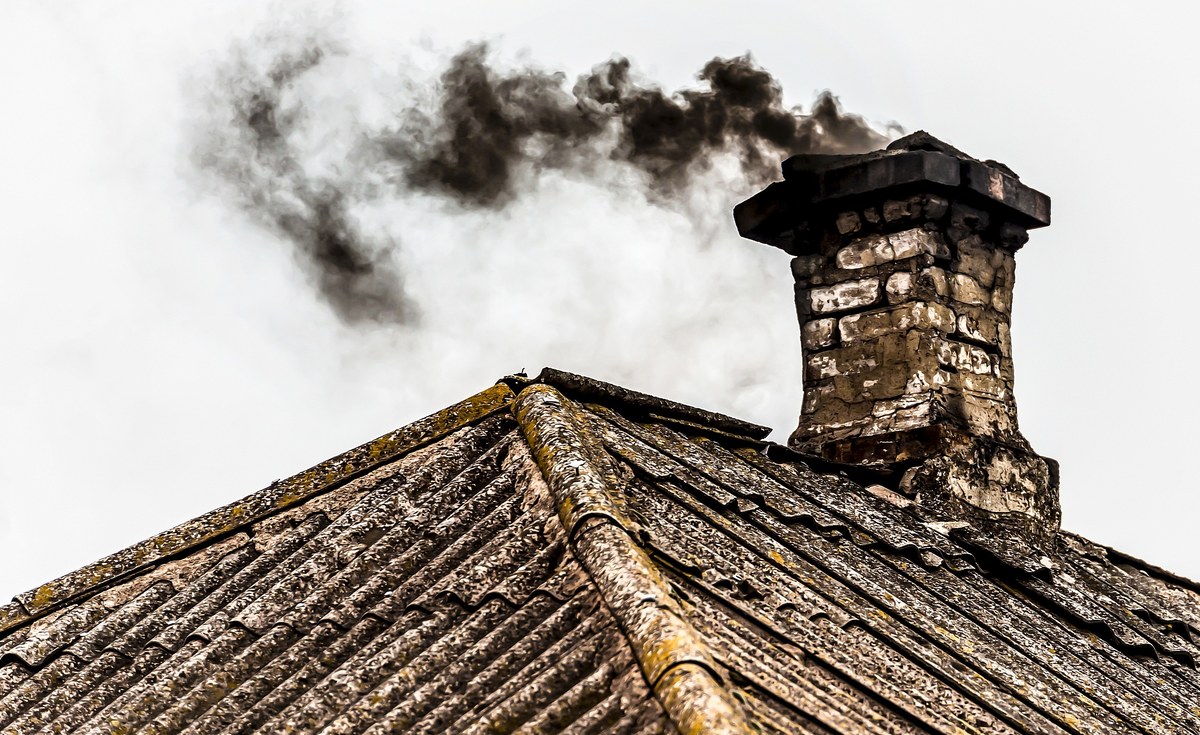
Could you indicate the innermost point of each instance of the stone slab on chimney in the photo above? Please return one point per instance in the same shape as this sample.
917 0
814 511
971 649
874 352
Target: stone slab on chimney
904 265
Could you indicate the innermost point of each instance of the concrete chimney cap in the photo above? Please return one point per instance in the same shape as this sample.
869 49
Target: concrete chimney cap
915 162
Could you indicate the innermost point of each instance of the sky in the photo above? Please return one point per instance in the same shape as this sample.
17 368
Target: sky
165 354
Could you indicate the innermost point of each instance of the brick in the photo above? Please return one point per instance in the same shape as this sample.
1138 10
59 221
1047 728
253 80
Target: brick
848 222
833 414
816 394
840 361
976 259
938 279
987 385
1002 300
988 417
966 358
965 221
900 287
876 249
819 333
967 290
892 405
896 210
883 383
845 295
935 207
1006 269
979 323
915 315
807 265
865 252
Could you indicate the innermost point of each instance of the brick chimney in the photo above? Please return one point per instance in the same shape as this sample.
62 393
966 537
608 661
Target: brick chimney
904 267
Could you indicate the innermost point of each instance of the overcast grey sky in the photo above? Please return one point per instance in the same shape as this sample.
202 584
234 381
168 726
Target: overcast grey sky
164 354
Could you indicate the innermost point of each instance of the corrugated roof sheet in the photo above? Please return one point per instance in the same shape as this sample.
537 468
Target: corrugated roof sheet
559 555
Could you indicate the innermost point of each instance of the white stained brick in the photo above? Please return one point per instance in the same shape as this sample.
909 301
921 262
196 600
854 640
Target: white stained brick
900 286
918 314
818 333
875 249
845 295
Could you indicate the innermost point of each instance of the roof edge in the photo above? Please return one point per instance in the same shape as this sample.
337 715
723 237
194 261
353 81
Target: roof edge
1117 556
673 657
278 496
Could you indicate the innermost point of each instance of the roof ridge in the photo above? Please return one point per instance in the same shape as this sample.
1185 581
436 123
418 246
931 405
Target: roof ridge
661 408
228 519
673 656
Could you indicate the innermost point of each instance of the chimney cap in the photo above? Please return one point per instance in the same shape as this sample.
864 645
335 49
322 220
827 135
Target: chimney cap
919 160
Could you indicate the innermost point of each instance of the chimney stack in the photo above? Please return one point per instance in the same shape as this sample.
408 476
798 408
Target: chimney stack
904 267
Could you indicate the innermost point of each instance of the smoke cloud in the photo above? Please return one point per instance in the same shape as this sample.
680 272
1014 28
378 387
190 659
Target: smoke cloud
487 134
255 153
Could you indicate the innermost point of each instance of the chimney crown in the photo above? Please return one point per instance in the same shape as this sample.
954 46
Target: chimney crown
904 268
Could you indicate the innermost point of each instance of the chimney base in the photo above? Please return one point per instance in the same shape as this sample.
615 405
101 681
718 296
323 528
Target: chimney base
989 483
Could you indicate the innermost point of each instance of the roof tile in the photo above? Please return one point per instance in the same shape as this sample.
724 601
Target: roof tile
579 558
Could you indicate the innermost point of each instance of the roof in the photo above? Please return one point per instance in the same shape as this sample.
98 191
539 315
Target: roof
561 555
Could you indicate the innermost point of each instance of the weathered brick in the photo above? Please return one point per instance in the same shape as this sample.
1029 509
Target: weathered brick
806 265
965 221
840 361
988 385
815 394
902 414
935 207
977 260
967 290
896 210
882 383
865 252
848 222
900 287
833 414
966 358
891 406
819 333
1006 269
915 315
876 249
980 323
938 279
988 417
1002 300
845 295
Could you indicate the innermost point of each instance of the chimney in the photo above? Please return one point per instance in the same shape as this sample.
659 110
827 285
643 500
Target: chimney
904 267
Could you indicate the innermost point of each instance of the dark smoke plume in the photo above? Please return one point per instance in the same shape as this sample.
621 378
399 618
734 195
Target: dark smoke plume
490 125
352 273
489 131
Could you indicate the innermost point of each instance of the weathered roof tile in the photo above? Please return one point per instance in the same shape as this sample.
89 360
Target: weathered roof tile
580 558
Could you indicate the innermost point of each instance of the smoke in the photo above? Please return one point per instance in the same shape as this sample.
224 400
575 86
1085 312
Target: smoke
491 124
487 134
256 155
